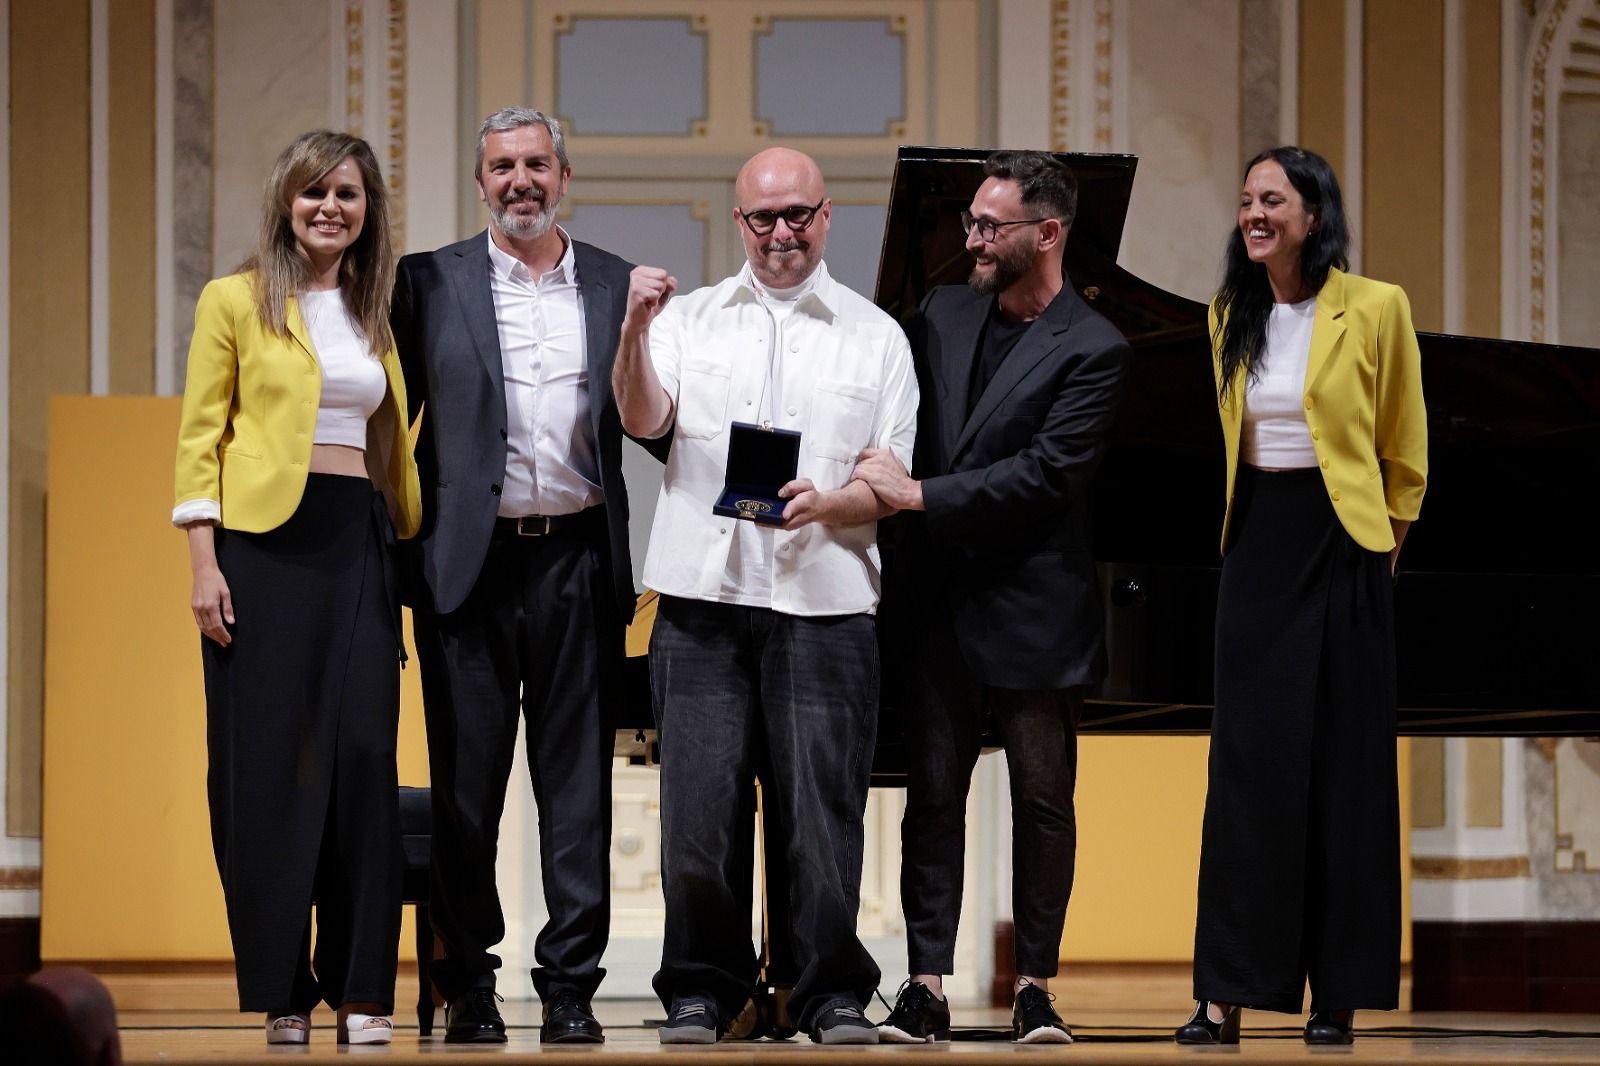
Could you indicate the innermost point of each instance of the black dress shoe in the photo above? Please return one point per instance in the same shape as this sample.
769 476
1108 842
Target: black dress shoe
919 1017
568 1020
1331 1027
472 1018
1200 1029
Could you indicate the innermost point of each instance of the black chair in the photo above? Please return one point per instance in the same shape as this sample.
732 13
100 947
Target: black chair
416 842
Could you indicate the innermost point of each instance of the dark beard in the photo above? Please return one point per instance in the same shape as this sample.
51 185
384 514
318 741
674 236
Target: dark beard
1009 267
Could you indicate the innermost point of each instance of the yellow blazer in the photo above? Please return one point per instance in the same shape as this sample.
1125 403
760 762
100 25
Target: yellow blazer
250 410
1363 406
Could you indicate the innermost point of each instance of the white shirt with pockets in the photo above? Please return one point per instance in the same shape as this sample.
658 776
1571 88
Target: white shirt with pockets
842 377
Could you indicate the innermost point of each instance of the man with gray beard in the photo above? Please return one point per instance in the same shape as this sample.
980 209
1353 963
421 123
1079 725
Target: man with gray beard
1020 382
520 577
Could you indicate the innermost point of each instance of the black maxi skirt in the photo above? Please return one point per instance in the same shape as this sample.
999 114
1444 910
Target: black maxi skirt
1300 854
302 711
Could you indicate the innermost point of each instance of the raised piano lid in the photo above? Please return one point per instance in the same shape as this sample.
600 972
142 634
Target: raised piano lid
1497 628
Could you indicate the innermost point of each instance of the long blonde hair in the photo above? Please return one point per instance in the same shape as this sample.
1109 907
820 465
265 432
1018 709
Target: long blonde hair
281 269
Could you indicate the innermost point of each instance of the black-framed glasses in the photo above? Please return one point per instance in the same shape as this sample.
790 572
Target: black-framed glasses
988 229
798 217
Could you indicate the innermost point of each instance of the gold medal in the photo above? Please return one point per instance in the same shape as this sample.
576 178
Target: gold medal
753 506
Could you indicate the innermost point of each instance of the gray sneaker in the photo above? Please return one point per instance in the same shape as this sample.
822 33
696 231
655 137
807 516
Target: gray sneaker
692 1020
841 1021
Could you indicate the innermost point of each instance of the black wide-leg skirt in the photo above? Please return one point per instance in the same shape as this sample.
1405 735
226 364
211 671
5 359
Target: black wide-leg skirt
1300 854
302 711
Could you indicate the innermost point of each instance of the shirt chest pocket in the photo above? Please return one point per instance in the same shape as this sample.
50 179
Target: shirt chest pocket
703 398
841 419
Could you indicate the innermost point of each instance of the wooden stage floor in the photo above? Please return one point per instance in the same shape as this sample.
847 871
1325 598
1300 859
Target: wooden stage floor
178 1020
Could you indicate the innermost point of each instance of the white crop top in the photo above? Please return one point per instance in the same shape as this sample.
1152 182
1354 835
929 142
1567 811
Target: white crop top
353 382
1275 435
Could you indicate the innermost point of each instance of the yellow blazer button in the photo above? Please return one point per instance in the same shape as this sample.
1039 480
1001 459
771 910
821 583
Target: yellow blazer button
1308 403
1335 495
1324 464
1316 434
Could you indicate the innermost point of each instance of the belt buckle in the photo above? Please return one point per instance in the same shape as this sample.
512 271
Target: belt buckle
535 525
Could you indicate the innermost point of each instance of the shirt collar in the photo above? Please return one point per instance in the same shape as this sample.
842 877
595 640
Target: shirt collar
820 299
505 265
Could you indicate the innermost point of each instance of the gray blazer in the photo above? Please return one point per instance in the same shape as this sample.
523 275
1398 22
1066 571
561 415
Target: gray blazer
444 327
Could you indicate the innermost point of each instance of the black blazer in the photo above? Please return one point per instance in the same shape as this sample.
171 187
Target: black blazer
444 327
1005 545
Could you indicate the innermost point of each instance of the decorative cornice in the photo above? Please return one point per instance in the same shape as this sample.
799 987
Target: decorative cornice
18 878
1455 868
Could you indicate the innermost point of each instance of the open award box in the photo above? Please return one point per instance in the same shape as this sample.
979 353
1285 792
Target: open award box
761 461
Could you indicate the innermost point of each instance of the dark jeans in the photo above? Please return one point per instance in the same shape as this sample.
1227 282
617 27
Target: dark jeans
944 730
737 688
539 637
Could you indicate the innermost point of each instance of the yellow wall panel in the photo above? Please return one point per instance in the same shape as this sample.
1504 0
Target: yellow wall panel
1402 235
49 333
127 830
1480 179
1322 79
1427 783
131 149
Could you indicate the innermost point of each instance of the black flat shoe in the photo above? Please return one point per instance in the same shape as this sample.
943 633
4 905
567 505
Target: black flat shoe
473 1018
1200 1029
1331 1027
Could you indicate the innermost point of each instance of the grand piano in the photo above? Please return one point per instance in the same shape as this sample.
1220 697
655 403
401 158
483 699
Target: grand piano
1495 625
1495 618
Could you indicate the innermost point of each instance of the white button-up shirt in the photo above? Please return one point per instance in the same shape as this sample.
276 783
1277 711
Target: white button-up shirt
846 383
551 463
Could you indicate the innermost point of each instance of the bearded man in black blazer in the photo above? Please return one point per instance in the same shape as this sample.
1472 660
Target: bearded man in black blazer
521 580
1020 382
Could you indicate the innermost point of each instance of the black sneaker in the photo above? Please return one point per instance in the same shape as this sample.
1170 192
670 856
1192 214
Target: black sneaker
841 1021
692 1020
1034 1021
919 1017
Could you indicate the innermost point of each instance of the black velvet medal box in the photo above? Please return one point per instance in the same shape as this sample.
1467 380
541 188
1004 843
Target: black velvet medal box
760 462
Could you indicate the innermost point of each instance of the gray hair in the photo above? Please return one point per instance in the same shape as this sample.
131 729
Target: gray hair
515 118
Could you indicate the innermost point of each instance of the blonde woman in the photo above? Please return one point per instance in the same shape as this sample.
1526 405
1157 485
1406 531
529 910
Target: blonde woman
293 477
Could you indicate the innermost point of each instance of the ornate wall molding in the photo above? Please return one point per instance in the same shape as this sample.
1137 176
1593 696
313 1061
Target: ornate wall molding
1060 75
1550 54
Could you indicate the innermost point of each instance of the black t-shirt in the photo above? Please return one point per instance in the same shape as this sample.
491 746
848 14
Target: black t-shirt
1000 335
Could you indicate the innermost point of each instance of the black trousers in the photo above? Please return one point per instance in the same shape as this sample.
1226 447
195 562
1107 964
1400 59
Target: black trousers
944 729
1300 854
539 637
737 688
301 715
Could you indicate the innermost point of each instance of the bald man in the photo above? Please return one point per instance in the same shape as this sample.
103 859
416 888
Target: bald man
764 649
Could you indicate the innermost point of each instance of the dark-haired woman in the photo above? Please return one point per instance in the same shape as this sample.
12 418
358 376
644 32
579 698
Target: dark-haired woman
293 475
1319 387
